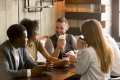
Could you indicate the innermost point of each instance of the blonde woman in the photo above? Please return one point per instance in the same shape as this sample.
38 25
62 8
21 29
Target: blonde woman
95 61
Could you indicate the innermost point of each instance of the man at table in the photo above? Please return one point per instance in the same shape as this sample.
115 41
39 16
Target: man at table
66 40
16 61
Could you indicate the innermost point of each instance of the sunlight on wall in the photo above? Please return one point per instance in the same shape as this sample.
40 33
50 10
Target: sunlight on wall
106 16
12 12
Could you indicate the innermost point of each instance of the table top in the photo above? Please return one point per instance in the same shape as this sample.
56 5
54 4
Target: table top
56 74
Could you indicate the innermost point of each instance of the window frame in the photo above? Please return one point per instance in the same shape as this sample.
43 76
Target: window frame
115 20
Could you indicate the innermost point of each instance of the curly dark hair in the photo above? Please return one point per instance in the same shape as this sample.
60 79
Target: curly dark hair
31 26
15 31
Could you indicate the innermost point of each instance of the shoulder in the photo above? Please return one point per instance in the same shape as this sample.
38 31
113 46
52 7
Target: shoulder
70 37
86 52
5 45
5 49
84 57
111 42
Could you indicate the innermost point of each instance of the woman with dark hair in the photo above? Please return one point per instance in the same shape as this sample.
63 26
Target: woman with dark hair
95 61
35 45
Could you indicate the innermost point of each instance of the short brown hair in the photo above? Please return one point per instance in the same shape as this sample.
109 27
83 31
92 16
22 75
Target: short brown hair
63 19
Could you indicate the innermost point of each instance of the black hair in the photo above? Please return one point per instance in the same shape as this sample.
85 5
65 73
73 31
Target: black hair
31 26
15 31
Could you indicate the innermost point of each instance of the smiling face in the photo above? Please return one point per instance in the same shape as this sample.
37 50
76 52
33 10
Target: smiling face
61 28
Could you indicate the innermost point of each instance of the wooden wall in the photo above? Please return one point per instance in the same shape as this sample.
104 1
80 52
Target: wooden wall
12 11
8 16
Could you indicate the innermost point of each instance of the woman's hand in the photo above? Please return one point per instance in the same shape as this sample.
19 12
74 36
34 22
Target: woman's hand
72 56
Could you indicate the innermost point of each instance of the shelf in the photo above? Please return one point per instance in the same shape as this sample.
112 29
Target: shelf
82 15
91 8
74 31
82 1
76 11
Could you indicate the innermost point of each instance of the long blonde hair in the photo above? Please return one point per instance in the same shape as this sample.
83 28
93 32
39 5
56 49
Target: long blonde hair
92 31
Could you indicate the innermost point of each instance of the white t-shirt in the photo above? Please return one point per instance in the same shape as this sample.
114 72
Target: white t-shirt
16 56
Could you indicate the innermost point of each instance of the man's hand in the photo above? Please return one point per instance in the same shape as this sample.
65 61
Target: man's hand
61 43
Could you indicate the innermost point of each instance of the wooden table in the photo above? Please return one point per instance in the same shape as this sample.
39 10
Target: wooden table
57 74
62 74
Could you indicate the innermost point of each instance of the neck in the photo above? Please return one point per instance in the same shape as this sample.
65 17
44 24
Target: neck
14 44
59 34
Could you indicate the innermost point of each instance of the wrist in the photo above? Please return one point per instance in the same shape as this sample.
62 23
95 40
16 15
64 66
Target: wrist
28 72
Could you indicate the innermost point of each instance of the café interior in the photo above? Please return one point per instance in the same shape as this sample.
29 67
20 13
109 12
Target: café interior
46 13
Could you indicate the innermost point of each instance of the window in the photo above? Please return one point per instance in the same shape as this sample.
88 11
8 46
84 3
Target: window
37 5
116 19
